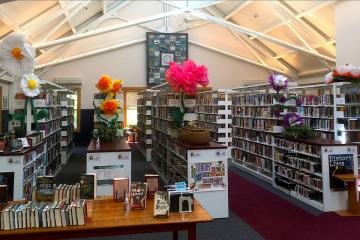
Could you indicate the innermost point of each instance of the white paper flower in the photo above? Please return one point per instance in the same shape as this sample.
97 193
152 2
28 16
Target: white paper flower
280 80
355 71
30 85
16 56
329 77
346 68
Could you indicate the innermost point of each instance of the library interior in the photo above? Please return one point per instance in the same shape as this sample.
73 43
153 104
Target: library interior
185 119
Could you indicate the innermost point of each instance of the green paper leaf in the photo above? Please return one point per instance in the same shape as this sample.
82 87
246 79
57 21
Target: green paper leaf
43 113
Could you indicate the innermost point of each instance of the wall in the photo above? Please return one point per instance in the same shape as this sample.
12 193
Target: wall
129 64
347 32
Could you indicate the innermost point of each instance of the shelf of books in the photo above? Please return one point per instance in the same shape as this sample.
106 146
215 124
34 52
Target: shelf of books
67 127
252 122
213 111
144 111
37 154
177 161
305 169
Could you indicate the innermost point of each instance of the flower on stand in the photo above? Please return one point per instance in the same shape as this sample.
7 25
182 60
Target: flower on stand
109 106
293 119
116 86
299 101
278 82
104 84
16 55
277 112
345 73
30 85
185 78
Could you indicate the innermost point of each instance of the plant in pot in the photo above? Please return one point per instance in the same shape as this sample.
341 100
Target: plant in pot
184 79
295 128
107 111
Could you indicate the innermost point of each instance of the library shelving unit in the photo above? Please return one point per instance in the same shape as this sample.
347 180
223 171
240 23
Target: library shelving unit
213 110
144 111
252 122
176 161
67 124
304 169
43 157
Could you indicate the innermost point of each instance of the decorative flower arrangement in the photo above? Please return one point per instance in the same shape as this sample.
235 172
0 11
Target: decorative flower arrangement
278 82
293 119
345 73
109 130
16 55
184 79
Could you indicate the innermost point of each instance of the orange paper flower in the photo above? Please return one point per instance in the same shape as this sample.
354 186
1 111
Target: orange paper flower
109 106
116 86
105 84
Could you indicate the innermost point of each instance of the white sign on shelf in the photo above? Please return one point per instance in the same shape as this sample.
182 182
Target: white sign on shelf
174 103
190 103
109 171
207 176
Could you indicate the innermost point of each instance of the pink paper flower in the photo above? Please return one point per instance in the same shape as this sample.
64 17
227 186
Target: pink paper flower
185 78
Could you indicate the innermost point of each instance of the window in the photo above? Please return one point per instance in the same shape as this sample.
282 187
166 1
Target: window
77 107
130 106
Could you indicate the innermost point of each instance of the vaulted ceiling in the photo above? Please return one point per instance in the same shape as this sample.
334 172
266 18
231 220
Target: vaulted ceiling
296 38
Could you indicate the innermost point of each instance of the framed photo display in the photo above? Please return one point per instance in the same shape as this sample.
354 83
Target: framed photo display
161 49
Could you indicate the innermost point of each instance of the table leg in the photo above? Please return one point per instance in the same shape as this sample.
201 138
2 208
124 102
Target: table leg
175 235
192 232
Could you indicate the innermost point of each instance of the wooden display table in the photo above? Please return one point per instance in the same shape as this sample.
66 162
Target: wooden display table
108 161
353 204
106 218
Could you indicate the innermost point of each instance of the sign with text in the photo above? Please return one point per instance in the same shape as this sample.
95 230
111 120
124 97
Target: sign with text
207 176
340 164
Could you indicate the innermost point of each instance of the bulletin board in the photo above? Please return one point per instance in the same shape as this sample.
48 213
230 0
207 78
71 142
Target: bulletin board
161 49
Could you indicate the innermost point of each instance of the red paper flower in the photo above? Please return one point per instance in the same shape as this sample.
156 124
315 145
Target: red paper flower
185 78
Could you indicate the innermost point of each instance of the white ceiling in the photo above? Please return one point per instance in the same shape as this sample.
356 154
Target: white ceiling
293 37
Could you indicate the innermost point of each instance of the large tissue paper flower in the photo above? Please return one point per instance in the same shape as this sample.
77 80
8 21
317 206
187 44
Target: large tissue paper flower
343 73
278 82
116 86
30 85
293 119
109 106
185 78
104 84
16 56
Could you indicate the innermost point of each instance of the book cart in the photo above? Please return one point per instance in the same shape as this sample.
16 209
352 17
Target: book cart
203 167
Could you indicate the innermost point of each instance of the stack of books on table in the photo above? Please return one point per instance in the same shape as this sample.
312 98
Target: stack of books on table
40 214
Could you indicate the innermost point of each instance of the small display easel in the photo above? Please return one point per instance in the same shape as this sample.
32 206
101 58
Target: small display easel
353 204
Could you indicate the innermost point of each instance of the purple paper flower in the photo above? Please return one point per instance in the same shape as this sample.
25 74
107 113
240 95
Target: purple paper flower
278 82
282 99
299 101
277 112
293 119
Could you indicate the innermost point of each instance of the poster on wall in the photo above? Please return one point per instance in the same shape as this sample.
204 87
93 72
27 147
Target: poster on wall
161 49
207 176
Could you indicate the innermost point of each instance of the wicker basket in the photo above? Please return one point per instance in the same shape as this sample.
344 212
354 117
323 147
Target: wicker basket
194 135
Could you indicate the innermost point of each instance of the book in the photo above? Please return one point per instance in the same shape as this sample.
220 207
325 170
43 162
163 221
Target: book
138 195
3 195
161 204
120 188
7 178
153 183
81 212
88 186
45 188
177 204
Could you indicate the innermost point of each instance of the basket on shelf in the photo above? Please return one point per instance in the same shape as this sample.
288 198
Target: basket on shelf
194 135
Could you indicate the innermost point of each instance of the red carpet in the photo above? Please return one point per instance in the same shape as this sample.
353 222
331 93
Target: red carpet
275 218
